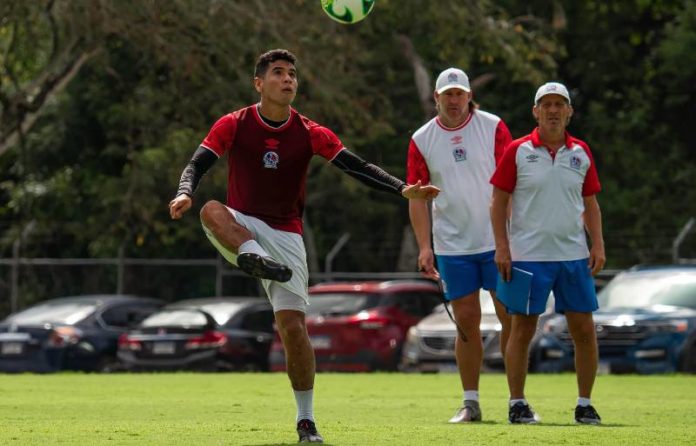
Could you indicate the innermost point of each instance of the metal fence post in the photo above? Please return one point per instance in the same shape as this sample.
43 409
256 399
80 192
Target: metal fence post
14 281
120 270
218 275
680 238
328 262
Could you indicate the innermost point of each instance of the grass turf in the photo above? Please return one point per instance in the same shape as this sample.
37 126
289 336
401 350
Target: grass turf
367 409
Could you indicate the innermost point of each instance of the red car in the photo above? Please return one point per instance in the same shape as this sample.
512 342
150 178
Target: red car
356 327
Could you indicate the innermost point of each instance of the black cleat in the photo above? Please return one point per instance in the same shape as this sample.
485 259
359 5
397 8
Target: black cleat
587 415
522 413
308 433
263 267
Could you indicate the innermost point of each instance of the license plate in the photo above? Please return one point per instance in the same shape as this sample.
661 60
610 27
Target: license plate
320 342
163 348
12 348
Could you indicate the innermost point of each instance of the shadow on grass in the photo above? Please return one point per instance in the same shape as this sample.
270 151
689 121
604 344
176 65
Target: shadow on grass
572 424
277 444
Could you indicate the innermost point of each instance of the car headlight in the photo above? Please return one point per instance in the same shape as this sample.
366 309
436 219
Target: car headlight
412 333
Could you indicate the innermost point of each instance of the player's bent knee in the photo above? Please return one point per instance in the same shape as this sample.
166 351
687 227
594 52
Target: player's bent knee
211 212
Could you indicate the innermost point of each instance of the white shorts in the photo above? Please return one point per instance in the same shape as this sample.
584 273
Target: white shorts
285 247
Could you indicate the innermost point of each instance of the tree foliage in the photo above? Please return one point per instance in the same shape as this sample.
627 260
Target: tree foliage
102 103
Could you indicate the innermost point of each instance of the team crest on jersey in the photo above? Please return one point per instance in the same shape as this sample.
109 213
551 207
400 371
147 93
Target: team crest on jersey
459 154
575 162
270 160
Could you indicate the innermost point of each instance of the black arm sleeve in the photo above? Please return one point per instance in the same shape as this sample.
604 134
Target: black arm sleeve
367 173
200 163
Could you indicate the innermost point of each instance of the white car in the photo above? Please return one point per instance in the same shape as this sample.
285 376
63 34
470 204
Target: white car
429 346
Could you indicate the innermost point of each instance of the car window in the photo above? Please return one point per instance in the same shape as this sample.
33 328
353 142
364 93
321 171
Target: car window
340 304
54 312
258 321
429 301
124 316
644 290
175 318
220 311
411 303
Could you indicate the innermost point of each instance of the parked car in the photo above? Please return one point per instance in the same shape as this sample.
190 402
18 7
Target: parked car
362 326
646 323
225 333
429 346
70 333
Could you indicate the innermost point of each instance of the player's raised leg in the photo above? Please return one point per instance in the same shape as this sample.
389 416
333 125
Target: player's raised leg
235 238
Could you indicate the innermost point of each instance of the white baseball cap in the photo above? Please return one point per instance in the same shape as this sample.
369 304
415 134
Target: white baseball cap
551 88
452 78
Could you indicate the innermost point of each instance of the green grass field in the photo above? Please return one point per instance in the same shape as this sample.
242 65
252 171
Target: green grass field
364 409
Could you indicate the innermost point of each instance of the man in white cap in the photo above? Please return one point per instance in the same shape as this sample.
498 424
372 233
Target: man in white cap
552 181
457 151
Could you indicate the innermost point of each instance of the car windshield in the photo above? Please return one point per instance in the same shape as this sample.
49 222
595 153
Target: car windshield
68 313
650 288
220 311
175 318
340 304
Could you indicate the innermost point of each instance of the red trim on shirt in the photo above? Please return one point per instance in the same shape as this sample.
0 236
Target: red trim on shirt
590 185
503 138
505 175
416 167
259 119
536 140
460 126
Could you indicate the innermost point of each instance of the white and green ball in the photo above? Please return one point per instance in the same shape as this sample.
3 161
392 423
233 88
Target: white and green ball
347 11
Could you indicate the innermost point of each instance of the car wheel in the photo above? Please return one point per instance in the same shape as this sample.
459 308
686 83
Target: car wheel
109 364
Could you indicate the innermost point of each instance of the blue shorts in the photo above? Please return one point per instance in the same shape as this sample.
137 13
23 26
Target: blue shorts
463 274
571 281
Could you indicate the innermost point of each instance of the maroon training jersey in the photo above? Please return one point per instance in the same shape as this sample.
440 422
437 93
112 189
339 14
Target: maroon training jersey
268 166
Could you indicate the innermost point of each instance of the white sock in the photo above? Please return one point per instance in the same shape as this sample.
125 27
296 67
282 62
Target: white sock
584 402
471 395
305 404
253 247
513 402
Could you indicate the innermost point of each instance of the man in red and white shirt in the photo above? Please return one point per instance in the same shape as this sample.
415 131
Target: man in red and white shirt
457 152
552 181
269 146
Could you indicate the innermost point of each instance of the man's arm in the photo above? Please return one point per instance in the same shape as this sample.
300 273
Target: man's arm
200 163
593 224
499 215
419 214
376 178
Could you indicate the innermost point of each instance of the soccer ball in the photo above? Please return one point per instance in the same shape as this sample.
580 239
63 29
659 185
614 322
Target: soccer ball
347 11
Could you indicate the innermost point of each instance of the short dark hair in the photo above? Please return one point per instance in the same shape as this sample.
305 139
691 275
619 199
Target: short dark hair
269 57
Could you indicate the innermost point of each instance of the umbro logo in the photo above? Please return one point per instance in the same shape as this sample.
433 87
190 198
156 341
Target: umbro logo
272 144
456 139
532 158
